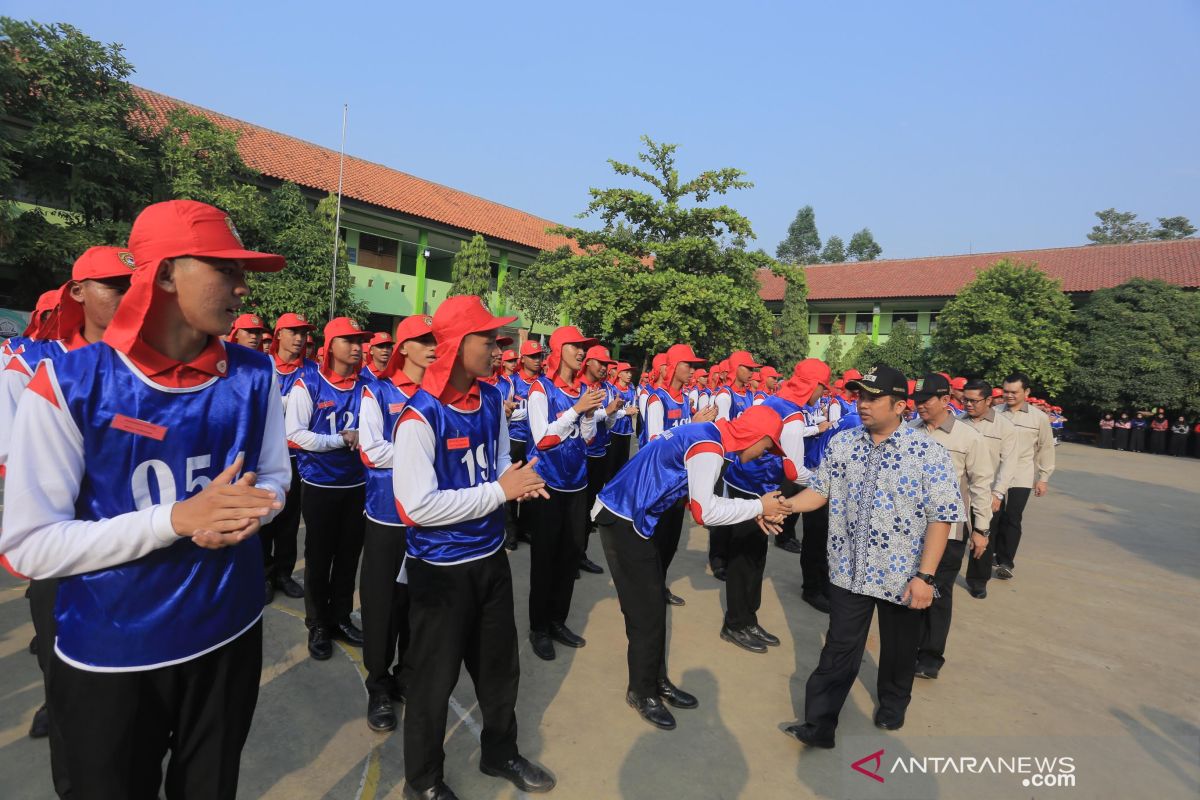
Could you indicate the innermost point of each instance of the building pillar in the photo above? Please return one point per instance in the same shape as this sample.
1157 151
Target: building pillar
501 276
352 242
875 324
422 245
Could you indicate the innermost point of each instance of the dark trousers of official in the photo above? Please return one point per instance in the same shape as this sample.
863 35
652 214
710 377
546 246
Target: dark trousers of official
935 620
814 556
558 531
516 515
333 540
718 537
460 614
849 622
384 607
979 570
666 535
618 453
598 475
744 575
278 536
788 489
1007 537
636 568
42 596
115 728
1137 440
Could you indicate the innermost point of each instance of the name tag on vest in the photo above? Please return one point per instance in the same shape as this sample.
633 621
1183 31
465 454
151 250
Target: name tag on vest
139 427
458 443
325 404
674 413
395 408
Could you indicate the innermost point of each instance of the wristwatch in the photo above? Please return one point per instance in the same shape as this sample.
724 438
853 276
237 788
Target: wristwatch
925 576
983 533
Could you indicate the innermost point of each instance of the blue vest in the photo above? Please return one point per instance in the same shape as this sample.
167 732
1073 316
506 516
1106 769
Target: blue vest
738 402
286 381
675 412
656 477
145 446
381 496
765 473
814 446
519 429
466 455
334 410
563 467
599 444
624 426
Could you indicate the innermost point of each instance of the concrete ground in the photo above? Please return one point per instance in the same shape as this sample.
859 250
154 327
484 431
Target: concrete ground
1090 653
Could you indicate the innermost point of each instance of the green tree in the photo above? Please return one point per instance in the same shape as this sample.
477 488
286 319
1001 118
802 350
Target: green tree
834 251
863 246
1174 228
1139 347
792 336
1011 317
471 272
1119 227
834 356
863 354
905 351
665 267
803 243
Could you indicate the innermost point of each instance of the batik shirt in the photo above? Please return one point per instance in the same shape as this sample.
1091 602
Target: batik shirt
881 498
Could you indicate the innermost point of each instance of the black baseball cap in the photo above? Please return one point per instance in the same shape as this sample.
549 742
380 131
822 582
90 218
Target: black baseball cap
933 385
881 379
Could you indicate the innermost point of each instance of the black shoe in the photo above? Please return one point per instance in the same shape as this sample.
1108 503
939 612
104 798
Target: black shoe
40 727
769 639
290 587
743 639
652 710
928 673
510 544
1004 573
320 646
543 648
978 594
719 573
672 598
381 715
524 537
676 696
522 773
349 633
807 733
33 644
888 721
564 635
790 545
439 791
270 595
587 565
818 601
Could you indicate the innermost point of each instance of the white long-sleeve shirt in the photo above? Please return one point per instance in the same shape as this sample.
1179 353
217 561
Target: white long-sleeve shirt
709 509
541 426
298 415
373 441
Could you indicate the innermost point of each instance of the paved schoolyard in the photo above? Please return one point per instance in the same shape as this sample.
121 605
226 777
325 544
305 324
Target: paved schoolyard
1089 654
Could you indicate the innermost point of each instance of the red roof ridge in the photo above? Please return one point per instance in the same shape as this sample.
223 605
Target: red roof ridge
1095 247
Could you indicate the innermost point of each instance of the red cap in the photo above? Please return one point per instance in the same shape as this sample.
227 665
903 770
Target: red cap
344 326
290 320
624 365
98 263
683 354
532 348
958 383
509 355
851 375
599 353
756 376
413 327
807 375
247 322
382 337
455 318
769 372
567 334
700 373
751 426
742 358
996 392
504 341
47 301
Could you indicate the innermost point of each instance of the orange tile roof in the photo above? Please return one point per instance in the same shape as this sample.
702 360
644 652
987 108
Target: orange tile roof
287 158
1081 269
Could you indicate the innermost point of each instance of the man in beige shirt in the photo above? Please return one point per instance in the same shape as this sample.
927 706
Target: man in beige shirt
973 465
1031 470
1001 439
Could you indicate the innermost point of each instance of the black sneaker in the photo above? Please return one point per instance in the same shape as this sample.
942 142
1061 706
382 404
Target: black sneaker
1004 573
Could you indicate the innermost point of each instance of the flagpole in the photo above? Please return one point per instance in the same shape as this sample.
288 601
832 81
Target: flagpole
337 220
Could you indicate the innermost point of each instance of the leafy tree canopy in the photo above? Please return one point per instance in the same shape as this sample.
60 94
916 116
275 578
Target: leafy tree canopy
1123 227
471 272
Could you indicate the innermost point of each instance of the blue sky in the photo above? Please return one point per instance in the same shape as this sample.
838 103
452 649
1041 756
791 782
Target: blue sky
944 127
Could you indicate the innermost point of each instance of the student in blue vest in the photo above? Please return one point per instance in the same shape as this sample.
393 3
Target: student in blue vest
41 324
518 520
453 443
384 599
684 463
143 467
247 330
322 425
730 400
376 354
279 536
562 423
658 373
668 408
595 367
622 429
766 474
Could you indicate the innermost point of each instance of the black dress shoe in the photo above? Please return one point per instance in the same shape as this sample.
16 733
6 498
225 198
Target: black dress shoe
672 598
790 545
888 721
743 639
522 773
40 727
1004 573
675 696
349 633
564 635
978 594
290 587
769 639
33 644
587 565
270 595
543 648
381 715
818 601
510 544
652 710
929 673
807 733
719 573
439 791
320 646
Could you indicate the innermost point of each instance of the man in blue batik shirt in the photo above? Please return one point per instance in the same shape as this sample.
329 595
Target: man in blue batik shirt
893 494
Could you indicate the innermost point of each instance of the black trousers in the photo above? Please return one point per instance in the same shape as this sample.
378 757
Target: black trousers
598 474
1106 438
979 570
1158 442
384 607
935 620
460 614
1007 537
516 515
744 574
1122 440
618 452
814 555
718 538
558 534
1179 444
333 540
115 728
637 573
278 536
789 489
667 534
849 622
1137 440
42 596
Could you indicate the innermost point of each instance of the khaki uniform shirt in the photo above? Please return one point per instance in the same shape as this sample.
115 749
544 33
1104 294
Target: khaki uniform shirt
1035 445
972 464
1001 438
